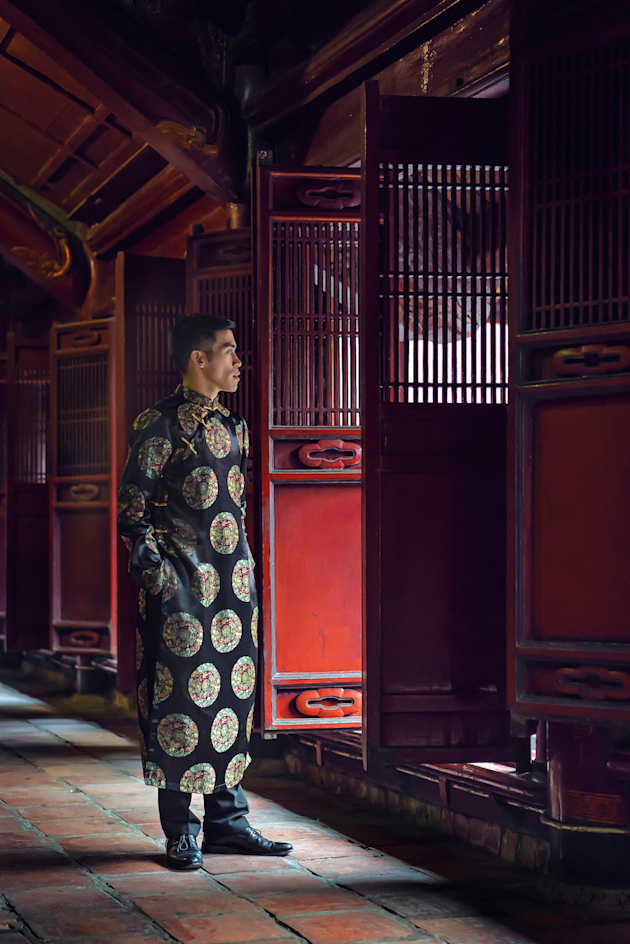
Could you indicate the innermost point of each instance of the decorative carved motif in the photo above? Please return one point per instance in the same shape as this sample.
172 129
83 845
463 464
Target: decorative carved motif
82 639
55 269
331 195
85 492
189 139
595 807
591 359
592 682
330 454
84 338
329 703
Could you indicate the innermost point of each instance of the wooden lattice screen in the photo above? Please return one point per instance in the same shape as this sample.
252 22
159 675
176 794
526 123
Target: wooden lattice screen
219 282
578 168
82 415
444 285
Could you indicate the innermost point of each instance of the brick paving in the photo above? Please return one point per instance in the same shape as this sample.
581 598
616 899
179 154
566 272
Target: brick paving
82 859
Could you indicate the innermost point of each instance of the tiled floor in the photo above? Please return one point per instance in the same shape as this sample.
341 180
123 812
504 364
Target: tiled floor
81 859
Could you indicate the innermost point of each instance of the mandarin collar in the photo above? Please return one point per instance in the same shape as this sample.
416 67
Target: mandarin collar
206 402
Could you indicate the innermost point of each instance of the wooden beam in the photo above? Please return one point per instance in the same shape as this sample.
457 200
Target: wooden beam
151 90
376 37
157 195
170 239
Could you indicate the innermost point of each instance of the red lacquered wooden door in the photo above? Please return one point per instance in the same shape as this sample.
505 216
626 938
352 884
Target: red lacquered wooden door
308 447
25 516
150 295
570 395
433 396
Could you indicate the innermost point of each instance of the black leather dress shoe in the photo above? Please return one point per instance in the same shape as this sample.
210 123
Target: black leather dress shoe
246 842
182 852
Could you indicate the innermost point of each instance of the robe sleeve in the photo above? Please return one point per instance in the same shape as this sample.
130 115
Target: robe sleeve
150 448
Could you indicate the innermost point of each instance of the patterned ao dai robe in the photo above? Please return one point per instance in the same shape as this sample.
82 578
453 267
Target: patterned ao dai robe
180 512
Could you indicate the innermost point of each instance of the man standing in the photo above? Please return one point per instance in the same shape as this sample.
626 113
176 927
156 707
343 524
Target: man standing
180 512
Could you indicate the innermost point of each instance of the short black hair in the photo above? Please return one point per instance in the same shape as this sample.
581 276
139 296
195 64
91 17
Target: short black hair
192 333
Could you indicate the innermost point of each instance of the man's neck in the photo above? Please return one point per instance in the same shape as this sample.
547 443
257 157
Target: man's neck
201 386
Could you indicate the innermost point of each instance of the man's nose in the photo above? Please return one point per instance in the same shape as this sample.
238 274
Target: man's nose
237 361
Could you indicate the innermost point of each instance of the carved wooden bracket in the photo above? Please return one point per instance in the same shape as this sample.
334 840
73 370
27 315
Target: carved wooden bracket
331 194
85 338
83 639
189 139
84 492
329 703
591 360
592 682
330 454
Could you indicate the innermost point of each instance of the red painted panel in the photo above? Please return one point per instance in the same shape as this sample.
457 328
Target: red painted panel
581 546
318 598
82 539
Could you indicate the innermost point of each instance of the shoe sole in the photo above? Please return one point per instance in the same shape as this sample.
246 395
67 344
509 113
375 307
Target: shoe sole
183 866
221 850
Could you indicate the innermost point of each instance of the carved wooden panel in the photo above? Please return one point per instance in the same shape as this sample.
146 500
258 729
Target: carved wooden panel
570 387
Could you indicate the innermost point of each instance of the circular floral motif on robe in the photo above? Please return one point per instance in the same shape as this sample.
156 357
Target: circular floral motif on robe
169 581
224 730
243 677
200 488
154 775
255 626
218 438
142 603
139 650
226 631
150 541
205 584
180 536
143 699
131 504
146 418
153 455
238 429
154 579
240 580
177 735
198 779
236 484
235 770
250 723
183 634
224 533
204 685
163 685
188 415
245 438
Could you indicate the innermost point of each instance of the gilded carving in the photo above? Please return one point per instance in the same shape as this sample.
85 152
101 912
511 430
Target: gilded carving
189 139
55 269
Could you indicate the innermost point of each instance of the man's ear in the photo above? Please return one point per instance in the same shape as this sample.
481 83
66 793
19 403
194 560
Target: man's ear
198 358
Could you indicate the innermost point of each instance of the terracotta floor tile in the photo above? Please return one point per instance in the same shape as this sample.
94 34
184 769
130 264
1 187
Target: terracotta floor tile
346 926
219 864
394 883
153 831
69 811
63 875
50 926
358 867
116 864
42 899
476 931
423 903
164 882
130 801
150 938
72 828
323 848
292 832
311 901
224 929
536 913
48 797
254 884
141 816
120 842
188 904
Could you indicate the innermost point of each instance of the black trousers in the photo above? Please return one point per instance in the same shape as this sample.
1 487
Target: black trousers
224 812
